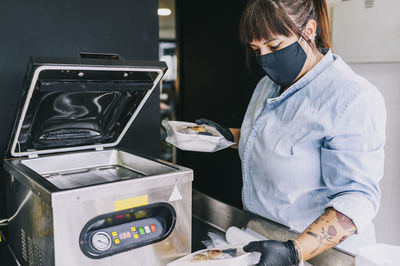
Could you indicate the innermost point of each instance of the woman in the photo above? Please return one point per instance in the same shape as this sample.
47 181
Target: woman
312 139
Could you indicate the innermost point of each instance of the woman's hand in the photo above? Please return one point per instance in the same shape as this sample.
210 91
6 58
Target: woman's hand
226 132
329 230
274 253
236 136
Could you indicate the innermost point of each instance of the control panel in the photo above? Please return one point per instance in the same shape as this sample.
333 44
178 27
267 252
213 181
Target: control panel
126 235
118 232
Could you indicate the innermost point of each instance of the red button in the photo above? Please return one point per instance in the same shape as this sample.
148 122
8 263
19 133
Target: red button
153 228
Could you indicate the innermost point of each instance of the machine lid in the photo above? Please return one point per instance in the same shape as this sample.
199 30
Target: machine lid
71 104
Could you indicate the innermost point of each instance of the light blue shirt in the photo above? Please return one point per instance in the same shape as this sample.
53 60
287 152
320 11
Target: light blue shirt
319 144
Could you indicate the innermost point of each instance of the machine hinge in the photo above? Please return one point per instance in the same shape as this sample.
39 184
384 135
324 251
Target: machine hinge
99 148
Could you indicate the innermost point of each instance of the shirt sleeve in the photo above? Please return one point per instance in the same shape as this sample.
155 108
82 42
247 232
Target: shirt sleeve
352 159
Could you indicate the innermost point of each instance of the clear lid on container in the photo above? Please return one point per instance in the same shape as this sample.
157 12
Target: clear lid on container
70 104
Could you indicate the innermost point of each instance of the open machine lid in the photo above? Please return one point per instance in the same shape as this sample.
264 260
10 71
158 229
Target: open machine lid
89 102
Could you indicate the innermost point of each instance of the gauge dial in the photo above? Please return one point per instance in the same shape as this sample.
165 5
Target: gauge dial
101 241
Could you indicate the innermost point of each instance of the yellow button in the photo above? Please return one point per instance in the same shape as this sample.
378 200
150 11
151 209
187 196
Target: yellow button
136 236
133 229
116 241
114 233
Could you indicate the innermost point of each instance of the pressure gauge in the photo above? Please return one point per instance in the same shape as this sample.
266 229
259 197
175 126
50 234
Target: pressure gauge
101 241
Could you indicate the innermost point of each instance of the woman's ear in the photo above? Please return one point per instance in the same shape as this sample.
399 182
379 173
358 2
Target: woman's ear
310 30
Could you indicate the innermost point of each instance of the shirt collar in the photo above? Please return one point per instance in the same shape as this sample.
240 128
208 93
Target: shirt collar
326 61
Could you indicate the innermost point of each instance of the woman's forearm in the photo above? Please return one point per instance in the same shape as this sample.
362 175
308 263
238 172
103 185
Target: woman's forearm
236 136
330 229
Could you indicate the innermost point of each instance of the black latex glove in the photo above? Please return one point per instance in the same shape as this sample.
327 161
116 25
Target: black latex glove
226 132
274 253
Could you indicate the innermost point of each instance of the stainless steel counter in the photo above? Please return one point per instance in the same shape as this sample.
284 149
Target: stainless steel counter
210 215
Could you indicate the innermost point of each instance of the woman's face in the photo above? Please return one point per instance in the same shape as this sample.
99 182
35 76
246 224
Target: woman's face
262 47
278 42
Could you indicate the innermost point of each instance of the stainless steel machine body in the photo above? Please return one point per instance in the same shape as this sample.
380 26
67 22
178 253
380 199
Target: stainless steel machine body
72 197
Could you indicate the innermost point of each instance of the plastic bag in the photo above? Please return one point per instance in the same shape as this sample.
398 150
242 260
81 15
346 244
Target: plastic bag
228 256
219 252
236 236
192 137
216 241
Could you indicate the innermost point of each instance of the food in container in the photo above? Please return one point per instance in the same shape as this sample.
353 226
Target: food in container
192 137
201 130
232 256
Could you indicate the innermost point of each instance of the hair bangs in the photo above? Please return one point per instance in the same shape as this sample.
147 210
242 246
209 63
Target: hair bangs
262 20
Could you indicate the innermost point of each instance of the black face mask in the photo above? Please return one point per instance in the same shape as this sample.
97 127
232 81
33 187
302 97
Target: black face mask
283 66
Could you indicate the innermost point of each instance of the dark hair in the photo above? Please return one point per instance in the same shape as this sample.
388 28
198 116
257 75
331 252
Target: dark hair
264 18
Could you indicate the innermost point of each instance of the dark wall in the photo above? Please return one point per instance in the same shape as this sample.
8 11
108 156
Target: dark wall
215 84
65 28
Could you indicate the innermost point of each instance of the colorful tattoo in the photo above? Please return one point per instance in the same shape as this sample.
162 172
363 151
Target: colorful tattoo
345 222
343 239
332 230
325 238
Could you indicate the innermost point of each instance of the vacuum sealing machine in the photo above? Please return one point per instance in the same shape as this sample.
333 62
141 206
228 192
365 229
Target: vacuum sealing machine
73 196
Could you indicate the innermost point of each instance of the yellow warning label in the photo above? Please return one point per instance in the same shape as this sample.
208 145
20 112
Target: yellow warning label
124 204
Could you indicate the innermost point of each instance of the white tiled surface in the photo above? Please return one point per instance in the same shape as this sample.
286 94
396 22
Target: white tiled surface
387 78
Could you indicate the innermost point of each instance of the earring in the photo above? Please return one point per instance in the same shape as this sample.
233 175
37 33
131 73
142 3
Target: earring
312 37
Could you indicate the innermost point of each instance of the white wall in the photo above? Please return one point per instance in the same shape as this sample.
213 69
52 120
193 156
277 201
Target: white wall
366 31
387 78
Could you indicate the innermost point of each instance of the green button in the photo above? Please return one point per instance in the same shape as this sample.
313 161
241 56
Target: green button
141 230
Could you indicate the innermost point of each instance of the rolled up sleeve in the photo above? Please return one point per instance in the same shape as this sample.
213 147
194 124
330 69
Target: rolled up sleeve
352 159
